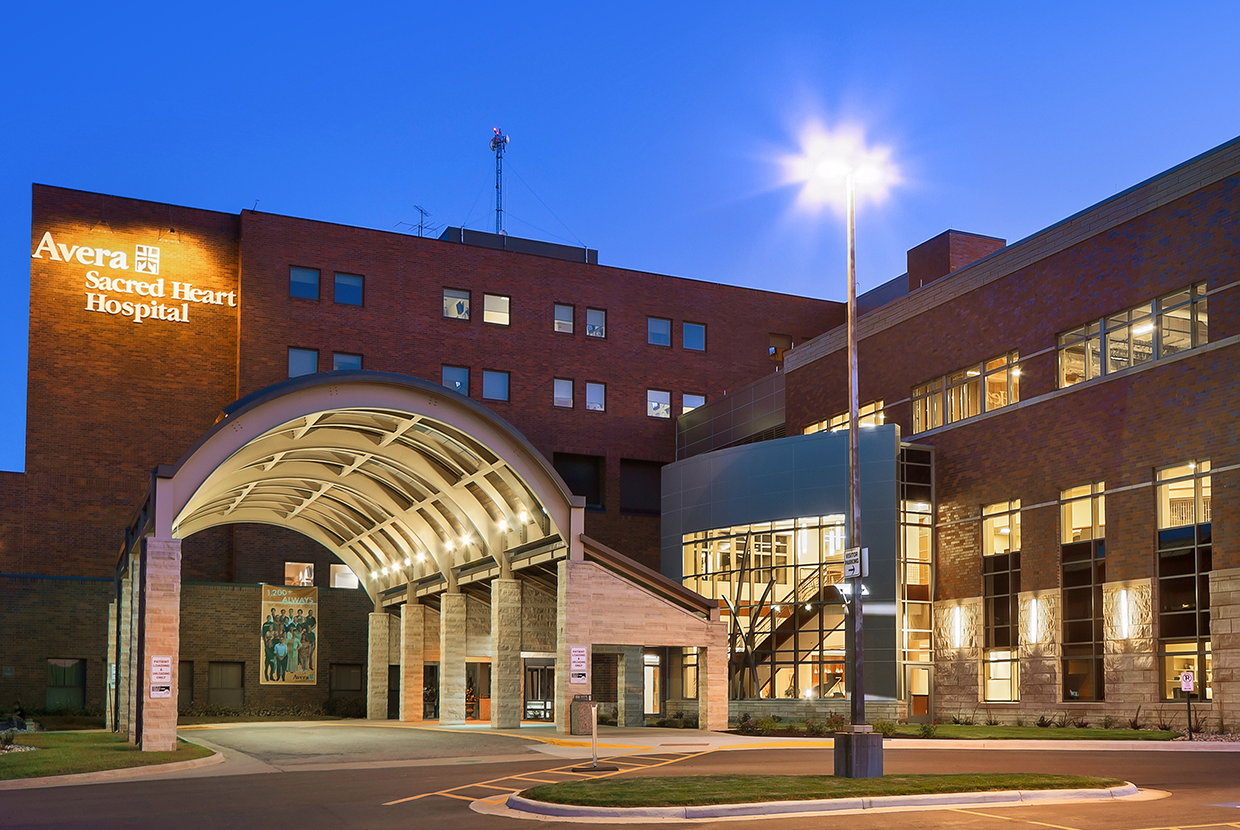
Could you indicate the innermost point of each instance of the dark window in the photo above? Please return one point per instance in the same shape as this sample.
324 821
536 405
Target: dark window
302 362
1083 573
640 487
495 386
342 361
349 289
66 684
456 378
694 337
658 331
226 685
345 680
584 476
303 283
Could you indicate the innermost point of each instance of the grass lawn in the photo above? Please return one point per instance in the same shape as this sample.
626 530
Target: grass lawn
1038 733
741 789
62 753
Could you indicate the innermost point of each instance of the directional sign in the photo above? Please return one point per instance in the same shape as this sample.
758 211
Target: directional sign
856 562
1186 681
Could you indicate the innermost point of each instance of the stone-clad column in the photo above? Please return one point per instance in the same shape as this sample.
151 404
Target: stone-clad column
1225 644
1129 663
412 648
161 619
377 667
109 685
713 685
506 699
1041 683
630 678
132 658
452 660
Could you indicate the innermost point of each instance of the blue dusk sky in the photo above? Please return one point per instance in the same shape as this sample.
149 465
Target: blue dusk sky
654 132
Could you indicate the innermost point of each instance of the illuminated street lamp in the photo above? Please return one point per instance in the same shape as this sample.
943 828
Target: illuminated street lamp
826 161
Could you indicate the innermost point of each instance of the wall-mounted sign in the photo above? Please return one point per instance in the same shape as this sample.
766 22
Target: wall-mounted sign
289 635
120 294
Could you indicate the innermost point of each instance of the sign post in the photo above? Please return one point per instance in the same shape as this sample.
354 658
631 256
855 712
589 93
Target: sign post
1186 686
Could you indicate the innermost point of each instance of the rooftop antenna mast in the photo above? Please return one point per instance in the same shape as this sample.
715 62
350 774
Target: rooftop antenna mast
422 214
498 142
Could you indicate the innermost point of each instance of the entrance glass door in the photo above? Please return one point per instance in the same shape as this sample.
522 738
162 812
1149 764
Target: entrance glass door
539 689
652 692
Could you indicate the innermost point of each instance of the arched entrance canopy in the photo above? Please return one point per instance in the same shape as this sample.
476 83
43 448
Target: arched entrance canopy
404 480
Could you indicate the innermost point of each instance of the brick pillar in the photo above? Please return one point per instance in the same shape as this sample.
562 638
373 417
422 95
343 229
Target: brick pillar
1130 666
713 684
630 683
161 621
377 667
412 649
1225 645
110 671
506 702
452 660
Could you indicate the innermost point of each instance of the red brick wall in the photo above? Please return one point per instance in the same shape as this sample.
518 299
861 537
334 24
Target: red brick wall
12 518
1117 431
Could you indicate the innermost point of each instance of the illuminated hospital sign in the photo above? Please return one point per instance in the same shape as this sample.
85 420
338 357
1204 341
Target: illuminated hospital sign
119 294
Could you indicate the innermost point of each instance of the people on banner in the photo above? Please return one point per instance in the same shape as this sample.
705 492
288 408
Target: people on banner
289 636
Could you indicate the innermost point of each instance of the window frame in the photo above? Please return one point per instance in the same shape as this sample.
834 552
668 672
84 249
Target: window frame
443 378
335 569
556 321
556 397
684 405
685 325
1001 644
488 313
318 283
601 387
361 288
507 376
302 351
651 334
962 395
597 331
469 303
1181 543
303 568
335 355
651 403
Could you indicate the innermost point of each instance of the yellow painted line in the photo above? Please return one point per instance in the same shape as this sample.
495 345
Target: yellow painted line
458 797
1011 818
537 780
410 798
507 789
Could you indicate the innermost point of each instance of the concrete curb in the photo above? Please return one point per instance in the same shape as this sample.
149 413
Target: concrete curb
1051 744
820 806
104 776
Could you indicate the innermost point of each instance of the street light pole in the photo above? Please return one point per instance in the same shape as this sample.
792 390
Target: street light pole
854 465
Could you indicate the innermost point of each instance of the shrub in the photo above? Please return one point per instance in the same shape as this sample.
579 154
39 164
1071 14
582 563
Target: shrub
1200 725
1020 720
991 720
745 724
836 723
6 737
1077 722
927 730
1108 722
1044 721
815 728
1136 721
886 727
962 719
1163 723
767 726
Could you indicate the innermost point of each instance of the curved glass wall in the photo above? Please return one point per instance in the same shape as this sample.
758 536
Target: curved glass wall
779 583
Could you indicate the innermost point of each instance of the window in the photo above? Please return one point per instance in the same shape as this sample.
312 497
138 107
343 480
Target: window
302 362
495 309
688 402
349 289
870 414
689 672
345 680
658 403
693 336
658 331
596 322
966 393
303 283
596 397
1184 564
455 304
583 474
1083 571
562 394
564 318
343 360
641 485
1169 325
66 684
1001 599
780 343
226 685
495 386
456 378
342 577
299 573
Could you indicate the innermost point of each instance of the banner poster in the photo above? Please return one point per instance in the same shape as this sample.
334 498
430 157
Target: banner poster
289 635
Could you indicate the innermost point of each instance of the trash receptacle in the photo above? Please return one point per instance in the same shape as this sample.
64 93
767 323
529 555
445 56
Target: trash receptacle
580 721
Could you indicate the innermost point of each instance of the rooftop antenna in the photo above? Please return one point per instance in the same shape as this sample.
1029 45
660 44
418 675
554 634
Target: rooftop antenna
422 214
498 142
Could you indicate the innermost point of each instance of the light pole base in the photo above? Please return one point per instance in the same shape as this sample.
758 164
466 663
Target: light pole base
858 755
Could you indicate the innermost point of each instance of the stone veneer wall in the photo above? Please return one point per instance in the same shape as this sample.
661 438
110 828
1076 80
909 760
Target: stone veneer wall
1040 673
957 677
1225 646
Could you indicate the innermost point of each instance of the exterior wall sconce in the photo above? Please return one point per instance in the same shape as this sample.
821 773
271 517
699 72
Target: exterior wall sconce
957 627
1125 616
1033 620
